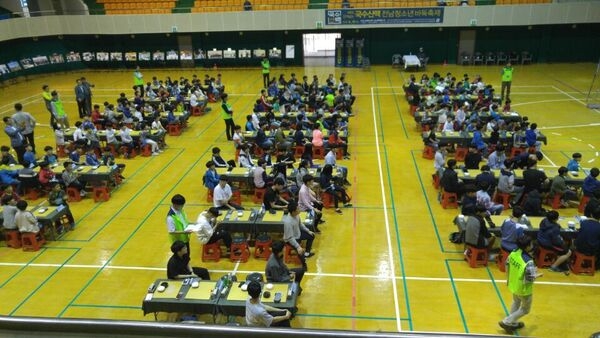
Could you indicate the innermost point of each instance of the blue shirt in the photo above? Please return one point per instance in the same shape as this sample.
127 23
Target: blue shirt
29 158
90 159
573 165
510 234
530 137
478 140
51 159
589 185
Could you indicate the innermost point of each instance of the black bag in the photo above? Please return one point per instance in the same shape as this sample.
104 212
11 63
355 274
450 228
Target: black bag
457 237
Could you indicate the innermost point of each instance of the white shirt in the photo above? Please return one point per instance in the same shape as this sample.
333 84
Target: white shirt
221 196
110 136
257 315
125 137
78 134
193 100
330 158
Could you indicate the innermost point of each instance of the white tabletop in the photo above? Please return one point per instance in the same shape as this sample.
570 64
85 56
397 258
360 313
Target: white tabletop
411 61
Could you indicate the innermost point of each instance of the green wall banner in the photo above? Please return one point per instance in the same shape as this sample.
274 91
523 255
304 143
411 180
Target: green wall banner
385 16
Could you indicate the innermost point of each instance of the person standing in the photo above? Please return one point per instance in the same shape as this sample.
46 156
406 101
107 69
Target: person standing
177 222
17 141
507 75
266 71
520 275
26 123
138 81
80 97
47 97
227 115
87 95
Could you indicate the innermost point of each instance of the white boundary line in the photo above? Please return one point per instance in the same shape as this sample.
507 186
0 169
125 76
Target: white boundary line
571 126
332 275
387 221
576 99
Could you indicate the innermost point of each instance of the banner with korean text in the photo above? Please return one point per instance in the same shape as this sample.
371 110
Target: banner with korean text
384 16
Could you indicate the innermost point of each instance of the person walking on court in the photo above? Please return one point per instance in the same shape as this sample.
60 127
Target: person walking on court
138 81
507 74
227 115
26 123
266 71
520 275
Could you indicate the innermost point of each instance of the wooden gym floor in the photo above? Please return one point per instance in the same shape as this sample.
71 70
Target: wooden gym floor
385 264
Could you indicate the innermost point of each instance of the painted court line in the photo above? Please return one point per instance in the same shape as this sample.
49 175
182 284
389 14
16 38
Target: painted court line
320 274
574 98
385 214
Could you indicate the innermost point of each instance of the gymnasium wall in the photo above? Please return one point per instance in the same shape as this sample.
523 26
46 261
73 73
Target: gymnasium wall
577 41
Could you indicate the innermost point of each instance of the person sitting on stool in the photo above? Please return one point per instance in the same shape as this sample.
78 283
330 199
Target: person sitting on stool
276 270
261 315
179 266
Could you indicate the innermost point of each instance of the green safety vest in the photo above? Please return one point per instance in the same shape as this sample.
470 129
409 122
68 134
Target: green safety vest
138 81
60 110
224 111
180 224
266 66
516 274
507 73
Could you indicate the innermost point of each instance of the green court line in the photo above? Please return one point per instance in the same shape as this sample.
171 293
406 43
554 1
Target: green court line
398 240
167 193
108 306
460 310
497 290
34 291
43 249
435 228
324 315
397 106
130 235
393 205
318 315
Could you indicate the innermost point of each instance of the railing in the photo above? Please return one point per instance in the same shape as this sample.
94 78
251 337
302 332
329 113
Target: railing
30 326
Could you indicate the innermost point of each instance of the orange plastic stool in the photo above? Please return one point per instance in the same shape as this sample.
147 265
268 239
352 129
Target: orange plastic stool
211 252
544 257
209 196
436 180
13 239
514 151
32 193
101 193
428 152
146 150
258 151
259 194
583 264
32 241
449 200
128 154
74 195
174 129
290 255
584 201
476 257
262 247
236 197
318 152
239 250
61 151
502 197
554 201
197 111
501 259
460 154
298 151
327 200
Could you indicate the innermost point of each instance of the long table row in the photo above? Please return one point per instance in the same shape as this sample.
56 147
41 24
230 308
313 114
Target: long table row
211 298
